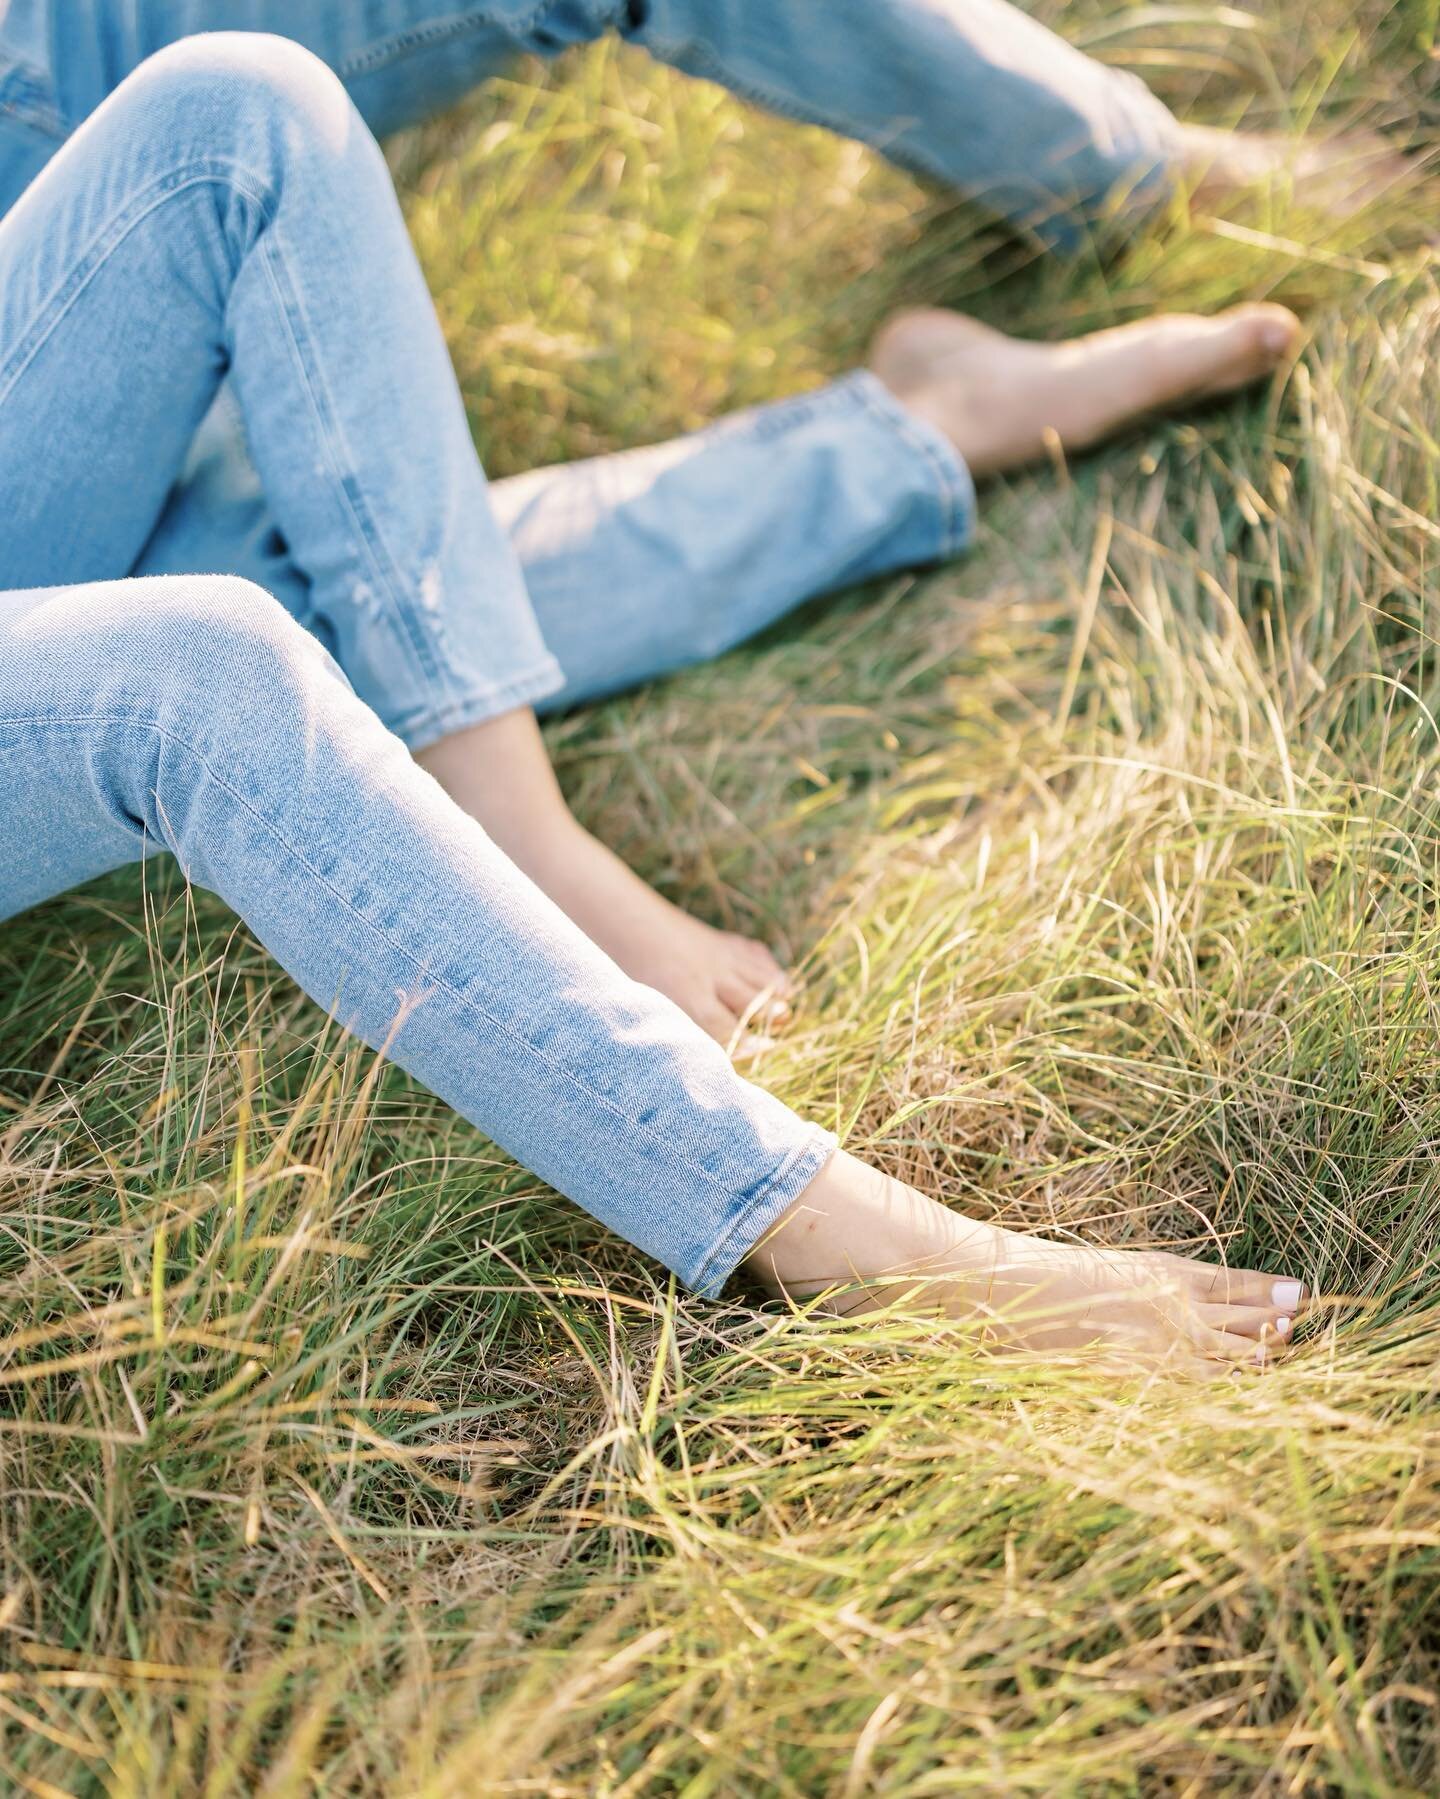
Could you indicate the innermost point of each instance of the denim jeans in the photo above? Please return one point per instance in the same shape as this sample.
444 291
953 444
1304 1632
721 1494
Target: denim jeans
227 210
216 249
708 539
969 92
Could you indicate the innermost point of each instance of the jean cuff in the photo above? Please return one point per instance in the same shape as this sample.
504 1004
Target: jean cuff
476 702
943 469
762 1207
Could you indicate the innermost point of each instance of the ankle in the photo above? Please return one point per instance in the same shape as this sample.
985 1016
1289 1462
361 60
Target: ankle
854 1226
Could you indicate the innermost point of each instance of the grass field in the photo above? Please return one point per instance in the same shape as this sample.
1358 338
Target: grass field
338 1456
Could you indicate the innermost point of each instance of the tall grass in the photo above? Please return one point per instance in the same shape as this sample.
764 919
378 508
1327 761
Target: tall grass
339 1456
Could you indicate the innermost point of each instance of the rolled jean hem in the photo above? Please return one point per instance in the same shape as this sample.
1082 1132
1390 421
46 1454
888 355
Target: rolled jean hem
951 483
763 1207
425 725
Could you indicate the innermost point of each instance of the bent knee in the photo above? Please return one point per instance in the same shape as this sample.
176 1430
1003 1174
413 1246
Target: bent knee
237 76
188 642
195 653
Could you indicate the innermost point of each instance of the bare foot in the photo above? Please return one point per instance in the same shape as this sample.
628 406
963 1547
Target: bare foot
499 772
732 986
868 1242
1338 176
1002 400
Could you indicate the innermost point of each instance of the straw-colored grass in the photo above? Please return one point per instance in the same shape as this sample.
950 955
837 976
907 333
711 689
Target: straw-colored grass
338 1456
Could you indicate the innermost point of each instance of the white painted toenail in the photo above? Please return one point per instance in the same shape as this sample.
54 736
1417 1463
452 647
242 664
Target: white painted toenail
1285 1297
1282 1327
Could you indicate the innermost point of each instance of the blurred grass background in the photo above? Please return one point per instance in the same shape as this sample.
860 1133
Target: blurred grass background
338 1456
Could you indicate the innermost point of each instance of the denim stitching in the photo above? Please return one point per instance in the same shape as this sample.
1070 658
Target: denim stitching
56 306
28 96
113 720
478 704
104 245
819 1139
422 37
378 554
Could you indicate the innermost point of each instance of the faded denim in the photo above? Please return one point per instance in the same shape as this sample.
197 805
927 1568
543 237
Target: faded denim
217 359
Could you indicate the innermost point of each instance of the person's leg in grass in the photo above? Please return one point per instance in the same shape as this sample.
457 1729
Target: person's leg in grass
228 205
193 714
972 93
645 562
227 212
712 537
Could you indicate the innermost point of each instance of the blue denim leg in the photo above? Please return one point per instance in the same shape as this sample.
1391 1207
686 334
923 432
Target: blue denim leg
970 92
227 211
647 561
702 542
194 715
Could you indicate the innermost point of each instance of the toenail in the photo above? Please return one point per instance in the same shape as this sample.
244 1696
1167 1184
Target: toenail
1282 1327
1285 1297
1277 338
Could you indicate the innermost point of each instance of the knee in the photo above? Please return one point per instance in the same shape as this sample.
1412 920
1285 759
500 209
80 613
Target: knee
209 655
220 82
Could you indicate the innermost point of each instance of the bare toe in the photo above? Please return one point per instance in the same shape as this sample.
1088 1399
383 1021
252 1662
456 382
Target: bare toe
1244 1287
1003 401
1260 1323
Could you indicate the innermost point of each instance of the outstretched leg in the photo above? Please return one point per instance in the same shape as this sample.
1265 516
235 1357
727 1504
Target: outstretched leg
972 93
195 714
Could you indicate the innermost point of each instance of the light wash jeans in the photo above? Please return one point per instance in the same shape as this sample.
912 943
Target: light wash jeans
708 539
219 237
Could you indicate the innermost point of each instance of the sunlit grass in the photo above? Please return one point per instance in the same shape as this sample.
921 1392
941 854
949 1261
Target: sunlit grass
340 1456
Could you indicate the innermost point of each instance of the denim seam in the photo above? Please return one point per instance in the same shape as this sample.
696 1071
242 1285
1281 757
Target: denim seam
719 1254
424 37
745 1201
378 553
955 484
475 704
103 245
56 306
27 95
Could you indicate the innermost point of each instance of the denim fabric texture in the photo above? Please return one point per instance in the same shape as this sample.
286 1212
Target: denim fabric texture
248 554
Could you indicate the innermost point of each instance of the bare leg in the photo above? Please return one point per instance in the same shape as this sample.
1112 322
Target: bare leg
1001 400
499 772
997 399
866 1241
